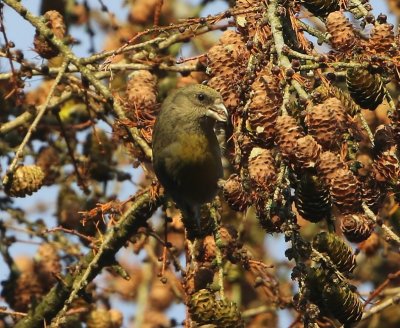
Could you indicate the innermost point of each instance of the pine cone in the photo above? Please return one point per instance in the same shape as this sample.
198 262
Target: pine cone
365 88
226 62
342 303
338 251
47 264
248 23
345 191
55 22
287 134
49 161
384 139
373 194
356 227
327 165
323 125
343 37
227 315
26 180
386 166
263 109
141 106
235 195
382 38
202 306
306 152
312 199
262 170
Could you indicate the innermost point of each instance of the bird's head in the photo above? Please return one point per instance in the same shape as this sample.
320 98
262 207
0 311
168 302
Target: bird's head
204 101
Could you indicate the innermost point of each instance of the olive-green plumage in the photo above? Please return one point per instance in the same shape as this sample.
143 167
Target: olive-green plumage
186 153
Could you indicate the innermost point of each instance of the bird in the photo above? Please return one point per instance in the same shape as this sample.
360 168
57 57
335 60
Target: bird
186 153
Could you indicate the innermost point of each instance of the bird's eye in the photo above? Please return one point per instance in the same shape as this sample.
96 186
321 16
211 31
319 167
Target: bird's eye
201 96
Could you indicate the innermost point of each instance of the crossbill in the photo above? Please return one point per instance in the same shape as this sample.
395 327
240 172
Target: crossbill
186 152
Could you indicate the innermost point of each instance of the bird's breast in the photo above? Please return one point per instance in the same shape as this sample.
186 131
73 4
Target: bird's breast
196 166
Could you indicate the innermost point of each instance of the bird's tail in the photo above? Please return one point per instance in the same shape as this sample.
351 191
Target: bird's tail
191 217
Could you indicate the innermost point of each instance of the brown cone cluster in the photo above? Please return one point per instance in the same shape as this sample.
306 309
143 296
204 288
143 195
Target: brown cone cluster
247 23
98 149
327 166
356 227
386 166
55 22
26 180
226 62
365 88
373 194
235 195
141 105
262 170
263 109
306 152
325 124
287 134
382 38
343 37
345 191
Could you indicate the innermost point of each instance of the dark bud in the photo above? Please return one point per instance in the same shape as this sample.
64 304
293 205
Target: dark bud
374 58
202 20
331 76
381 19
19 55
185 73
11 44
370 19
289 72
227 14
285 50
249 45
368 7
296 64
85 82
303 101
276 70
45 69
289 253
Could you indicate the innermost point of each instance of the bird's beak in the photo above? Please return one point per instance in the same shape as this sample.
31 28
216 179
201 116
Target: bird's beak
218 111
